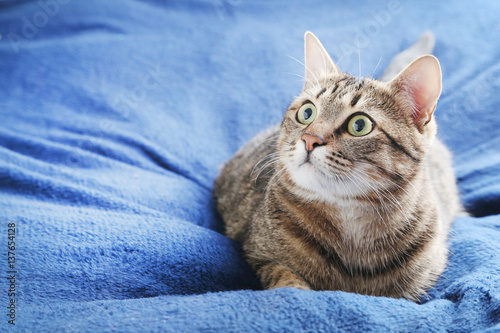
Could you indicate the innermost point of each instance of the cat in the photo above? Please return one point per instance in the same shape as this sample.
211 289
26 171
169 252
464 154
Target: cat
352 191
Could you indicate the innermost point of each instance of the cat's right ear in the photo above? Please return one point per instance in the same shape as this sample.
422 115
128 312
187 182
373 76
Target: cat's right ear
420 83
317 60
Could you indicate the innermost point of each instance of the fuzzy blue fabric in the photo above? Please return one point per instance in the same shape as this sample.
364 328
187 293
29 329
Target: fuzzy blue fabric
116 115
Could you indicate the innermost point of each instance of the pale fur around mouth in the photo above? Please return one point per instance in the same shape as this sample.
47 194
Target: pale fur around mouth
308 172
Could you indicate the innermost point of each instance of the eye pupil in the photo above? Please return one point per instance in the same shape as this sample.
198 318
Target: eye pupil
359 125
308 113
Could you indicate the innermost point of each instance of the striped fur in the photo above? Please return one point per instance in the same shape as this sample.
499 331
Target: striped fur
367 214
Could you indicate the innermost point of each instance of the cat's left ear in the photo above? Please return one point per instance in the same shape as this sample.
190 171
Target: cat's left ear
420 82
317 60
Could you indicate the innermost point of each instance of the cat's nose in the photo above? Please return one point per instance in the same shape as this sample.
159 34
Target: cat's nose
312 141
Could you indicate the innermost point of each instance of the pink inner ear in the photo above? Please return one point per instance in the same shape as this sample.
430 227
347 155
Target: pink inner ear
421 97
425 93
317 60
422 82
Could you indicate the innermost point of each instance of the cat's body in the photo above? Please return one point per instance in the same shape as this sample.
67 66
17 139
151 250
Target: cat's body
318 206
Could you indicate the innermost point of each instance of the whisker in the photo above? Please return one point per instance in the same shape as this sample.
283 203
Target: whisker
307 68
365 195
359 60
379 193
390 171
270 155
268 164
342 57
283 169
278 180
336 167
378 63
303 77
389 197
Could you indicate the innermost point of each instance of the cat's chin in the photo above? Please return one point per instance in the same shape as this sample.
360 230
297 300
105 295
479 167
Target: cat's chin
318 185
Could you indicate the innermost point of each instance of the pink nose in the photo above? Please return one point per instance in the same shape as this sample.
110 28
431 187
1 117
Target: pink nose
311 141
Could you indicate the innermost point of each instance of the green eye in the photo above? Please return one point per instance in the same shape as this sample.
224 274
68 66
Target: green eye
306 114
359 125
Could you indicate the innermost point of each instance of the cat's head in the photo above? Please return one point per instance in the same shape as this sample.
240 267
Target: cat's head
347 136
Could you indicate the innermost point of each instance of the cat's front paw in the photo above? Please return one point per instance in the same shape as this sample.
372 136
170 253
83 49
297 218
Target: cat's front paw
275 276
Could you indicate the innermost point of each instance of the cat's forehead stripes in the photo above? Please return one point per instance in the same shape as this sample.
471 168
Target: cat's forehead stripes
320 93
346 85
340 101
355 100
335 88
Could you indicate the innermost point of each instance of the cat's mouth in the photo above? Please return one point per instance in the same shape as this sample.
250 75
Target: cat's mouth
317 167
313 167
307 160
310 166
311 160
314 171
311 175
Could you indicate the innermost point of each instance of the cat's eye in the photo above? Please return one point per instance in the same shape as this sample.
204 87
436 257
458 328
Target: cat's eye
359 125
306 114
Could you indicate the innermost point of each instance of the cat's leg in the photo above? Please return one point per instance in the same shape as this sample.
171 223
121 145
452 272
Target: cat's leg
274 276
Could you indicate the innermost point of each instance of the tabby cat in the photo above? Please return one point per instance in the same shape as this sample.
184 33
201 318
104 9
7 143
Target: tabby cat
353 191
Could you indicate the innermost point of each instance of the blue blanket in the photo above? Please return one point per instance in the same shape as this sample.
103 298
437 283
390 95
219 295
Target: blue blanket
116 115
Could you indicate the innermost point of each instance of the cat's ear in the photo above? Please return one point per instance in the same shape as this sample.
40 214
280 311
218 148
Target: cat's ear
420 82
317 60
